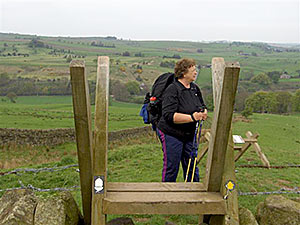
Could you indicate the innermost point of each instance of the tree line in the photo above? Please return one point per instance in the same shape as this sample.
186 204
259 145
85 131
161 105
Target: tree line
280 102
130 91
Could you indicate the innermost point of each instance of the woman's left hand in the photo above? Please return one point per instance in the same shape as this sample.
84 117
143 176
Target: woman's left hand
204 114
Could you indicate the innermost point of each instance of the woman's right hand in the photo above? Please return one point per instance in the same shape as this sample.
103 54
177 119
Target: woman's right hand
200 115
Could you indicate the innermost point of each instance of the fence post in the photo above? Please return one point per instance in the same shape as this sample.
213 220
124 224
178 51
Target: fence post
82 117
220 161
100 142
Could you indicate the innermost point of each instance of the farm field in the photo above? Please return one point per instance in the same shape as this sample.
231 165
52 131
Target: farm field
42 71
49 112
140 160
49 61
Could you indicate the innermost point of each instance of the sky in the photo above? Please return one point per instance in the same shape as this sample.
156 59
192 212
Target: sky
272 21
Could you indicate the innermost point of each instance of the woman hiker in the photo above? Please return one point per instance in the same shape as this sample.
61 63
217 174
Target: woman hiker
182 108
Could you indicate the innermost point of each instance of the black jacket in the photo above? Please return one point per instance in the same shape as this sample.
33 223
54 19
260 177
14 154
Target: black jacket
180 99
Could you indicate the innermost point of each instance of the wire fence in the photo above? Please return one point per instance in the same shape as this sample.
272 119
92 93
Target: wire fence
31 170
296 190
21 171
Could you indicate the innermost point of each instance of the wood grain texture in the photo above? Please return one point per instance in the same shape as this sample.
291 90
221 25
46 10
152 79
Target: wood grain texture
155 187
175 203
221 123
82 117
100 143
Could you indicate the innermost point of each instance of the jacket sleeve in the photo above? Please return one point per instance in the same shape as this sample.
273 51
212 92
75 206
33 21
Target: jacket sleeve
170 103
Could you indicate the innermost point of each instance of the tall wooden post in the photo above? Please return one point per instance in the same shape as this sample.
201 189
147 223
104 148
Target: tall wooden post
82 116
100 142
220 162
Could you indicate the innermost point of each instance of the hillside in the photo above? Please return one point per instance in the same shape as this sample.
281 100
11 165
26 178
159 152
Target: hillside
44 58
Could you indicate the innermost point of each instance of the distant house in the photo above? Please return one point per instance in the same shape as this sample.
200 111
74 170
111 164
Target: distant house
285 76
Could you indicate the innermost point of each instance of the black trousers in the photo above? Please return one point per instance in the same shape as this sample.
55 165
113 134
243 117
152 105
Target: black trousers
174 152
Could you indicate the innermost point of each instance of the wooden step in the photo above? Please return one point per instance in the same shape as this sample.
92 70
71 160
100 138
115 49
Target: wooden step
153 198
155 187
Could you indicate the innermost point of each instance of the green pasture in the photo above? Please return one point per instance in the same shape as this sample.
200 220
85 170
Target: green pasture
140 160
153 52
48 112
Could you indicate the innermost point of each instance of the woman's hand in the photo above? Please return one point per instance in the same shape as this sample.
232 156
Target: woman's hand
200 115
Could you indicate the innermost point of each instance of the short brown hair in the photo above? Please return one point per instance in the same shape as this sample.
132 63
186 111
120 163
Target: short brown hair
182 67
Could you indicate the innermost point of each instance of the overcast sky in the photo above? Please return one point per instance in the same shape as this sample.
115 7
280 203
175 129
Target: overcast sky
195 20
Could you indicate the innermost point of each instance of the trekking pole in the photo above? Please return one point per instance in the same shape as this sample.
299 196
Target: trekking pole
191 155
195 160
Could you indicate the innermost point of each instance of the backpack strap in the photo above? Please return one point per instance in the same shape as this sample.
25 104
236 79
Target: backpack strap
177 87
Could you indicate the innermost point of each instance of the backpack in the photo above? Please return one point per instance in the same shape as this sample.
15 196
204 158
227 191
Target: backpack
151 110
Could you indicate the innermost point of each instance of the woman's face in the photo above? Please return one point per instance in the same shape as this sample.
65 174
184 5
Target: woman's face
191 75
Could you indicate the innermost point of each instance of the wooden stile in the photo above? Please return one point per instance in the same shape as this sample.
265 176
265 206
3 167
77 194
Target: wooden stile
100 143
258 150
155 187
159 198
82 117
175 203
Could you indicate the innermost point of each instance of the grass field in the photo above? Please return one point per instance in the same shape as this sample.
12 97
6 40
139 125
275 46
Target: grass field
44 112
140 160
39 58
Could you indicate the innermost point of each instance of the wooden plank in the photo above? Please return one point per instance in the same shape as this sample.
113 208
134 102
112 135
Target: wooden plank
238 148
175 203
82 116
100 140
232 216
237 139
245 146
218 64
242 151
202 152
155 187
258 150
250 140
221 122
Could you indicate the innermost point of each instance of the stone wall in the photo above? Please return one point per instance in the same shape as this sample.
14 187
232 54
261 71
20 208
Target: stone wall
53 137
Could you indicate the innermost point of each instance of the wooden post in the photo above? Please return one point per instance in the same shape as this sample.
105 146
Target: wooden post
244 148
220 162
82 116
204 149
224 98
100 142
258 150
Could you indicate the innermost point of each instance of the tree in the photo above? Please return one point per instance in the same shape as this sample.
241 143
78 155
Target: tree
119 90
296 101
262 102
284 102
12 97
274 76
126 53
241 95
34 43
4 79
133 87
247 111
247 75
261 79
